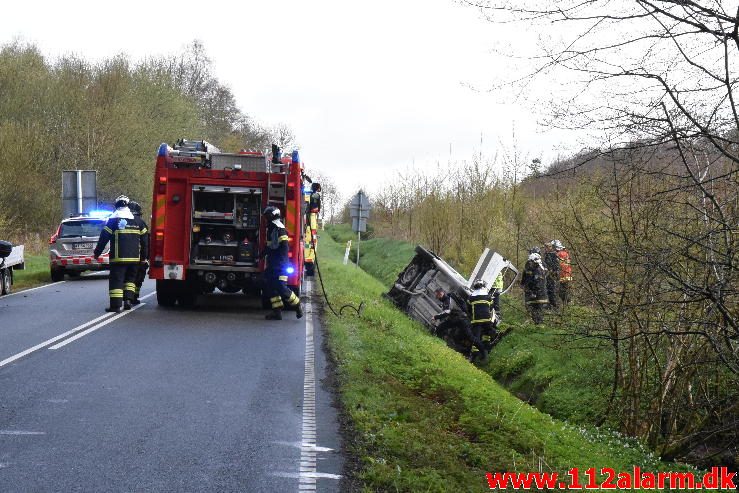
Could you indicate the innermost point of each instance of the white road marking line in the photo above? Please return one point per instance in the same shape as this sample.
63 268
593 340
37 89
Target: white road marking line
307 461
101 324
47 342
20 432
31 289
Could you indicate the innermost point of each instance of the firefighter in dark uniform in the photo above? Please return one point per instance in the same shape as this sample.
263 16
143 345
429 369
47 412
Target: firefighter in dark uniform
551 262
314 205
479 306
534 285
135 208
127 240
455 327
275 274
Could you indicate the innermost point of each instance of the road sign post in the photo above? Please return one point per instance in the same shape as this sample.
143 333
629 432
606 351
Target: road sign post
359 209
79 192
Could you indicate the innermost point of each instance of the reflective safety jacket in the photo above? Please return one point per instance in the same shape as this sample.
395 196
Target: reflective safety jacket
277 248
128 238
144 237
479 307
565 266
498 283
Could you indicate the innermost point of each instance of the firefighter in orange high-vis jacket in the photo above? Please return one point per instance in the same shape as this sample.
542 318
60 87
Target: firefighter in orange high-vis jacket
278 264
565 272
128 239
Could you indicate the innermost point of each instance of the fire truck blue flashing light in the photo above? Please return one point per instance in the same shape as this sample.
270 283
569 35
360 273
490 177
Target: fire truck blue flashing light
295 157
163 150
290 269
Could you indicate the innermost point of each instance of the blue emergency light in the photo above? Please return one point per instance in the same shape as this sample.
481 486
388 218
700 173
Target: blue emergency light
290 269
163 150
99 214
295 157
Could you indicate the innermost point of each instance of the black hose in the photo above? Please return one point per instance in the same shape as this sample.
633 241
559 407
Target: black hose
340 313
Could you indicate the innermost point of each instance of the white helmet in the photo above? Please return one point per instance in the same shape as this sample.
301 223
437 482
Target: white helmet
121 201
557 245
535 257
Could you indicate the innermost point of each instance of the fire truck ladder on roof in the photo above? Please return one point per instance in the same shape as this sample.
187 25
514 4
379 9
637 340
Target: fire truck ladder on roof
277 190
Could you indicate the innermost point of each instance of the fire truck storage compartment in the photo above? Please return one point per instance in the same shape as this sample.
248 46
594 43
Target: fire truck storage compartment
225 225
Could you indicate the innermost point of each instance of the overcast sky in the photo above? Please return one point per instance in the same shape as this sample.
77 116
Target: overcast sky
368 87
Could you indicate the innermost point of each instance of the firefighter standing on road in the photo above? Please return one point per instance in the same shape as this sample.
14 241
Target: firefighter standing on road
275 274
534 285
551 262
135 208
127 241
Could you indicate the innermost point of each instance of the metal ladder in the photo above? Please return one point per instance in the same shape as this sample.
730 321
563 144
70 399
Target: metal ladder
277 190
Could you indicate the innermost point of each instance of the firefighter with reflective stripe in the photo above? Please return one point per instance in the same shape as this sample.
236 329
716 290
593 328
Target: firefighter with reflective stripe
127 240
497 290
534 285
551 262
276 272
479 305
135 209
455 326
565 271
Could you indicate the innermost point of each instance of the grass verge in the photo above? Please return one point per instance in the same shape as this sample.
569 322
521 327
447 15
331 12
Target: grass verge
424 419
35 273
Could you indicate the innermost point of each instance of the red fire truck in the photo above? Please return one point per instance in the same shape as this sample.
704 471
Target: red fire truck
207 228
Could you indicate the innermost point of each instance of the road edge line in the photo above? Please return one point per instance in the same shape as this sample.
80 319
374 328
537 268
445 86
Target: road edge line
307 478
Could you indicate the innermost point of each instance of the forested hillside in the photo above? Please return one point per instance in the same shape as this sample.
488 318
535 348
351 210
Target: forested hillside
69 113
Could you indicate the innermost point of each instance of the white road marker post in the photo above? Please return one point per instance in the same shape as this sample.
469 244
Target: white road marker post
346 252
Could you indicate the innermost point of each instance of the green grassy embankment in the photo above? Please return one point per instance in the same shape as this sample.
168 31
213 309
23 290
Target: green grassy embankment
560 375
35 273
424 419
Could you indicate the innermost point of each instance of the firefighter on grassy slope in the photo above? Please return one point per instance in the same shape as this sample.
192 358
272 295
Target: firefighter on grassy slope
275 274
565 272
135 208
551 262
482 316
534 285
455 327
127 240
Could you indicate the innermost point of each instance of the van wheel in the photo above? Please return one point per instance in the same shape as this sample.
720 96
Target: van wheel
57 275
6 282
166 292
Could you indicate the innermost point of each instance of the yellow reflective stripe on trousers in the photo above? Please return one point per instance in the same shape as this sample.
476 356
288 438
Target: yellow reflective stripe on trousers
293 299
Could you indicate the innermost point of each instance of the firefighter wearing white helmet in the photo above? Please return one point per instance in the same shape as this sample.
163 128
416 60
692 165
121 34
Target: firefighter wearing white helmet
481 317
128 238
276 272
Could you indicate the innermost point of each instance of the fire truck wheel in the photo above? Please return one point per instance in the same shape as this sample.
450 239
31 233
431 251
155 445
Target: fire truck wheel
310 269
57 275
187 296
166 293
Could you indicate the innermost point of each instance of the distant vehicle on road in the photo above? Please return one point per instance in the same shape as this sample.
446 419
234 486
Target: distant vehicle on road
11 259
71 247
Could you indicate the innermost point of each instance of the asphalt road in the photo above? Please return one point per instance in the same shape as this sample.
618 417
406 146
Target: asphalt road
211 399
